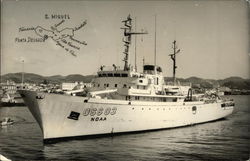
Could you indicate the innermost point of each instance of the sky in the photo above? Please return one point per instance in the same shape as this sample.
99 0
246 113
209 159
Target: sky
213 36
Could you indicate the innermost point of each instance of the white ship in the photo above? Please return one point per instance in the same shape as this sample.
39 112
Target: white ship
122 101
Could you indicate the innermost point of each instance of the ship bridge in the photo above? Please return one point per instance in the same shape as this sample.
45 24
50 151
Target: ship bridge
152 69
151 80
117 72
116 78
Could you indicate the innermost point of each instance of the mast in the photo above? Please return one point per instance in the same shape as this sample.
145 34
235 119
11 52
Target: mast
135 47
173 57
127 39
22 72
155 43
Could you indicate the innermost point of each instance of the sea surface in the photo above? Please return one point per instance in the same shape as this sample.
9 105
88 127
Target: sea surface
227 139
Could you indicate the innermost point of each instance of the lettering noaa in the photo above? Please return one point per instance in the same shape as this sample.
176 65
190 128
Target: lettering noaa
63 38
99 114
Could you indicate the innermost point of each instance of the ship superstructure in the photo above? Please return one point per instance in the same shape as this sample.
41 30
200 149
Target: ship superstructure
121 101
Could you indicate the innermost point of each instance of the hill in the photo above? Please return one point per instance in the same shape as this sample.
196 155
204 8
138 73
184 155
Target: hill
17 77
78 78
35 78
231 82
235 83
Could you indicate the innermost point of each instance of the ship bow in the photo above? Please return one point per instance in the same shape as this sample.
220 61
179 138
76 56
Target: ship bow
30 98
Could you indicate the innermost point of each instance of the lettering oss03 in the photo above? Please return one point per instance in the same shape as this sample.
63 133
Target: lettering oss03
99 111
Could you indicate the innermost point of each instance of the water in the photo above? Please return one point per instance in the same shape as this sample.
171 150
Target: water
227 139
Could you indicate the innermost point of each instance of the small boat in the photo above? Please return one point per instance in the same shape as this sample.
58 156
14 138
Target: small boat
4 158
11 101
6 121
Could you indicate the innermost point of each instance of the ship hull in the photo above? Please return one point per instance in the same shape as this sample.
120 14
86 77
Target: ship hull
61 116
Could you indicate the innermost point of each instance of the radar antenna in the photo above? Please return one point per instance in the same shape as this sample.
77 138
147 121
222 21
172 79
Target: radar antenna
127 39
173 57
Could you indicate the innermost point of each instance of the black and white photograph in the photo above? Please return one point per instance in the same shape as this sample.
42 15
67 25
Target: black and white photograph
125 80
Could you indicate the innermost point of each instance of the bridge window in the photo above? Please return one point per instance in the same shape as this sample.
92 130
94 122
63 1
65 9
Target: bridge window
110 75
174 99
115 85
107 85
128 98
149 67
117 74
124 75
